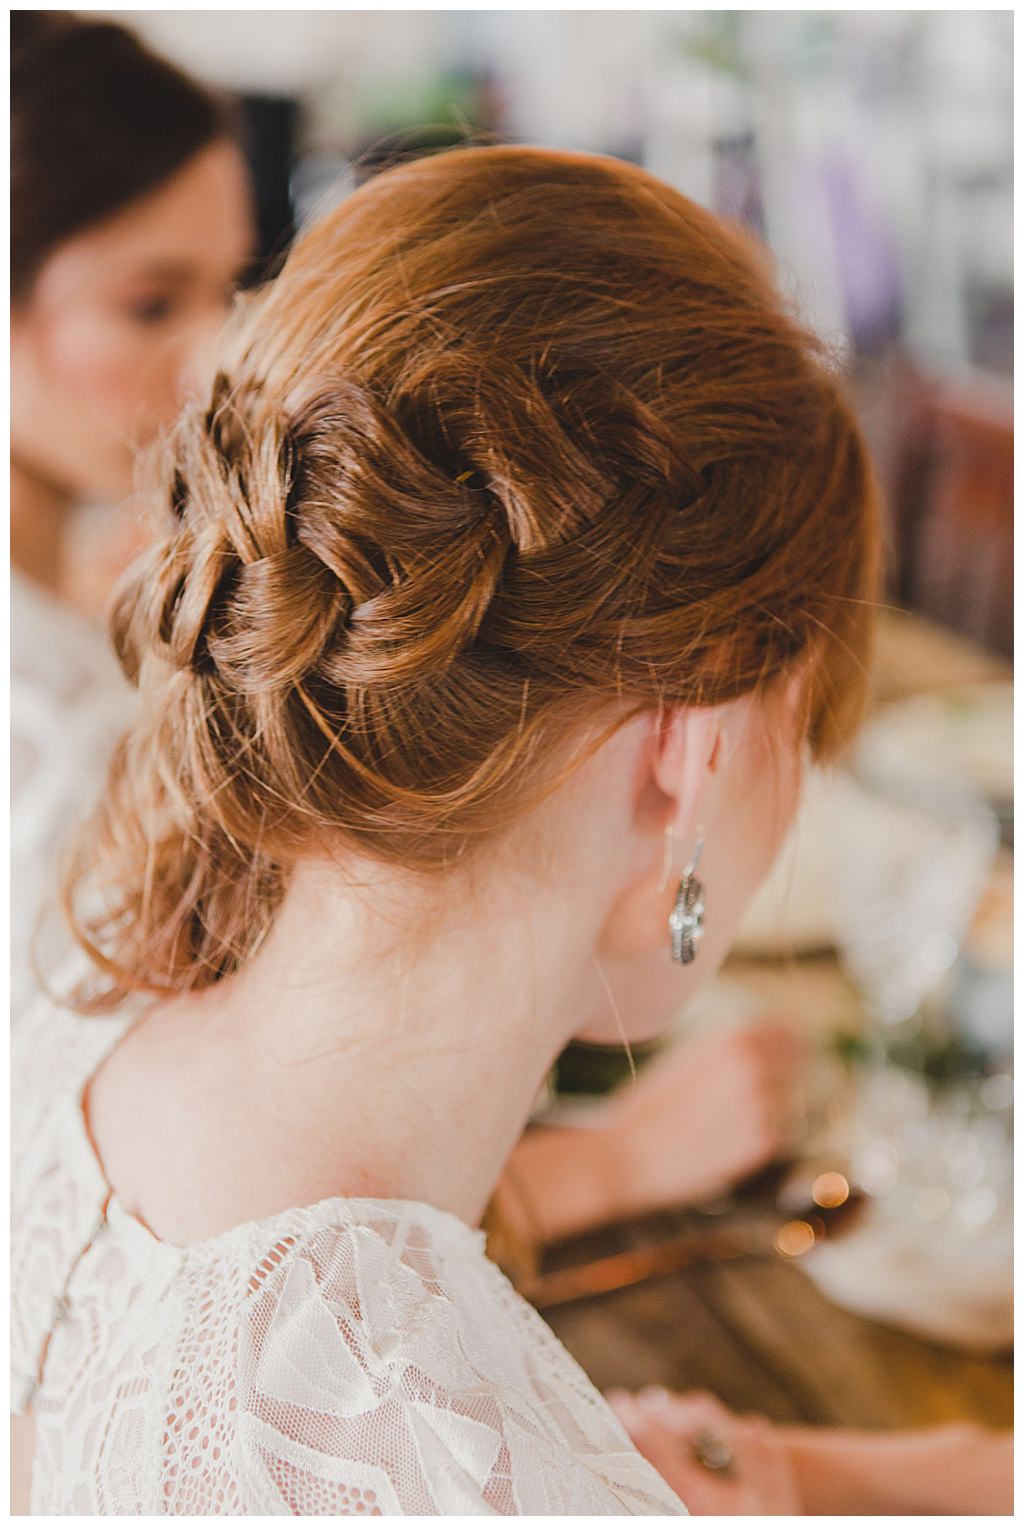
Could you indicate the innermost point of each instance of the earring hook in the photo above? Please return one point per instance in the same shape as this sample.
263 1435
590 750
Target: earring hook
697 851
666 864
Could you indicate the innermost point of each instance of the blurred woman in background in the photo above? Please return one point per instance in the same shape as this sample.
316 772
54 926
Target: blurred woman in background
130 223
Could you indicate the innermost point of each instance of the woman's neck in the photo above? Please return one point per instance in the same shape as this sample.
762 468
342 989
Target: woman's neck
39 512
407 1068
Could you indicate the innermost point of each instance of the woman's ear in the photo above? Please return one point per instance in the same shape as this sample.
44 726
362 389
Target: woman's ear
678 757
687 748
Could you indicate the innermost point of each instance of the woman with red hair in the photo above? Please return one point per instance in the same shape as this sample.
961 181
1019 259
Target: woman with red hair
522 551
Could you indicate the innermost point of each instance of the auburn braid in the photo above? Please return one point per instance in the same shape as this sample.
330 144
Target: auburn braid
516 438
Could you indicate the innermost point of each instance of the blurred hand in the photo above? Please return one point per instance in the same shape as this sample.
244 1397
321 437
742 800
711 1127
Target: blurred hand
955 1469
702 1117
759 1480
699 1118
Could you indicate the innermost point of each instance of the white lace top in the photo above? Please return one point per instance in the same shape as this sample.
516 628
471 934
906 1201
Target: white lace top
357 1357
68 705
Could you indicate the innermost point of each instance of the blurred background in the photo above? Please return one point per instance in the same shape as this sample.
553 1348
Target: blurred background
871 150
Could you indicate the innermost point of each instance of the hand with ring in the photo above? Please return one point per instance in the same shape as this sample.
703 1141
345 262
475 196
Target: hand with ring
717 1462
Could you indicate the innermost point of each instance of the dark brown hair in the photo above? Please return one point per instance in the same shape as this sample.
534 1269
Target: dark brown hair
97 120
518 438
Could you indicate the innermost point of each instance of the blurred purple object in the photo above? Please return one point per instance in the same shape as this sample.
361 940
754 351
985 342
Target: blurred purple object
867 263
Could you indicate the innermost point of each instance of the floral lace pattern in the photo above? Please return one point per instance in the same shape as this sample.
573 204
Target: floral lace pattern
358 1357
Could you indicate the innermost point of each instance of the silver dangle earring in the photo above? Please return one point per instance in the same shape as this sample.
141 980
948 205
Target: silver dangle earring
686 919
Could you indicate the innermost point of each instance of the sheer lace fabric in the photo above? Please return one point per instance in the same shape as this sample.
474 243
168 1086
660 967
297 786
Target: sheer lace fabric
357 1357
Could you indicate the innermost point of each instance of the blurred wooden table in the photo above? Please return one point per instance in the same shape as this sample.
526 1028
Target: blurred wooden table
752 1328
757 1333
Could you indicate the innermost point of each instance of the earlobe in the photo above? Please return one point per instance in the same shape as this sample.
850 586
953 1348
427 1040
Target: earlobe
636 924
660 911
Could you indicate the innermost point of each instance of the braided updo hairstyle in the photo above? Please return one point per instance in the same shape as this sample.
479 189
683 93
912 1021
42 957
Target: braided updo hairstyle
516 438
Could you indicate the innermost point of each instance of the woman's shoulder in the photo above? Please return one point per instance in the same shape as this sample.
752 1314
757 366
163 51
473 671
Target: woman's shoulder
380 1362
354 1356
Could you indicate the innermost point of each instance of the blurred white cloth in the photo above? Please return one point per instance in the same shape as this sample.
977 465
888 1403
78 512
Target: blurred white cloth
932 1279
352 1357
69 703
932 1248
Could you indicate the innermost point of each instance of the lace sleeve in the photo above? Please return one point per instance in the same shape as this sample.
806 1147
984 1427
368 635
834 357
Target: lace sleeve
377 1377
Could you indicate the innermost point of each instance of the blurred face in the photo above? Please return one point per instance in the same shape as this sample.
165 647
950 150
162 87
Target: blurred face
745 809
119 322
